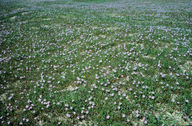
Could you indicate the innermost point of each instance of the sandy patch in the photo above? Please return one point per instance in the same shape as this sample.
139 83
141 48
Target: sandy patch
45 26
17 83
3 97
12 18
84 123
41 123
95 27
141 45
112 28
114 15
163 110
187 67
174 96
109 38
148 57
167 45
69 88
25 13
61 118
64 16
78 29
57 25
46 19
35 28
76 42
103 36
130 35
50 116
67 16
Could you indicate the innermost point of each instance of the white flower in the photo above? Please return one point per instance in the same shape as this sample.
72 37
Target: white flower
47 106
68 115
114 70
159 63
90 98
137 115
108 117
112 94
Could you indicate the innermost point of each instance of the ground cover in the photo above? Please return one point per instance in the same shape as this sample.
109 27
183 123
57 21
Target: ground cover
91 62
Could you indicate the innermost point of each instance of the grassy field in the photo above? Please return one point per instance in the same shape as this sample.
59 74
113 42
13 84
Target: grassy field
95 62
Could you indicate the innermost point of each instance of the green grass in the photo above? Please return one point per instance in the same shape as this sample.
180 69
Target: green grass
95 62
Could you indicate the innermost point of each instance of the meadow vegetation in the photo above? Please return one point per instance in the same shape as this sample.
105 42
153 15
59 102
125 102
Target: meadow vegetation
95 62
